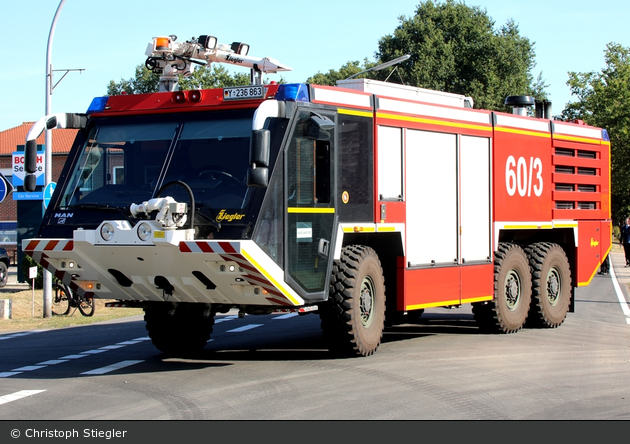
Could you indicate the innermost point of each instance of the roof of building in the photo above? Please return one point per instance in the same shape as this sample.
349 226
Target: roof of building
61 139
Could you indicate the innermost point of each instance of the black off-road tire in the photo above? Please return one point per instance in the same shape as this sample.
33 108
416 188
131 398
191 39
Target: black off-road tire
353 318
508 311
179 329
551 285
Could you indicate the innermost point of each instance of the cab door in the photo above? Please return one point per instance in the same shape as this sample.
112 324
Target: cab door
310 206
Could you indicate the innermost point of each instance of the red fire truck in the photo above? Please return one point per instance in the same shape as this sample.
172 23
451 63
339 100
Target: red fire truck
361 202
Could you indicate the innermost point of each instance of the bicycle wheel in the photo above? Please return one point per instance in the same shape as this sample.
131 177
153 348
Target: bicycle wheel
86 306
60 301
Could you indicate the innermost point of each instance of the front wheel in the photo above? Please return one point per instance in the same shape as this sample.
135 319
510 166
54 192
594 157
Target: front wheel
353 318
179 329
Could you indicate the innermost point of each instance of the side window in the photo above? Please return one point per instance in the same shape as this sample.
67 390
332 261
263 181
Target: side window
310 178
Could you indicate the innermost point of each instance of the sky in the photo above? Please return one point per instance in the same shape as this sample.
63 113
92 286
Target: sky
103 40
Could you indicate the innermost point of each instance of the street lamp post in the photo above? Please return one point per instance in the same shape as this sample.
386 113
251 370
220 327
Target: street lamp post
48 149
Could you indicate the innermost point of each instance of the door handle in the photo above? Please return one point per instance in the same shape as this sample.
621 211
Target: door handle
323 247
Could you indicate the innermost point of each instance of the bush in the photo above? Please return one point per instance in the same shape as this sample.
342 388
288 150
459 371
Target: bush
617 233
27 263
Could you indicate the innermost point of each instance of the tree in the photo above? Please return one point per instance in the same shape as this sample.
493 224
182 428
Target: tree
203 77
455 48
347 70
604 101
145 81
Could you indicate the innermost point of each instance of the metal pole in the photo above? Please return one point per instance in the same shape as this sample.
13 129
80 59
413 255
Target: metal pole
48 149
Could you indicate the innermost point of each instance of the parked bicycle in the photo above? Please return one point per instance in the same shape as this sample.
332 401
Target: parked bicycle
65 299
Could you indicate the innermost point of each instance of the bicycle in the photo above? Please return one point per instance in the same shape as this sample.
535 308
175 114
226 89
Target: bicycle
65 299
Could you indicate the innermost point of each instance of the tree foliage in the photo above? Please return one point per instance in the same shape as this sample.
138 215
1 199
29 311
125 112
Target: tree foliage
347 70
144 81
455 48
203 77
604 101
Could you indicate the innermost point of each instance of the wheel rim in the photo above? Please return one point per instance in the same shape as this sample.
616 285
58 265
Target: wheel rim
512 289
554 284
366 301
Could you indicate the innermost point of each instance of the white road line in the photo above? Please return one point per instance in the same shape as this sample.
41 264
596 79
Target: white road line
92 352
28 368
111 368
63 359
244 328
19 395
53 362
18 335
286 316
622 300
224 319
73 356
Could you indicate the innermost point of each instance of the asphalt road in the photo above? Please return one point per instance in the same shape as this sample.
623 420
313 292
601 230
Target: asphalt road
275 368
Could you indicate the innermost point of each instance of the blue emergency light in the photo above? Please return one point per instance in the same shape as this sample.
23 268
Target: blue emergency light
97 105
293 92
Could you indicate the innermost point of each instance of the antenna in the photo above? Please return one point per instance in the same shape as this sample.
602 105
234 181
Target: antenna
383 66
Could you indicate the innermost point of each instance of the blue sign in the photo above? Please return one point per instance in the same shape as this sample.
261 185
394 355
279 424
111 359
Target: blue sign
48 192
19 171
23 195
5 187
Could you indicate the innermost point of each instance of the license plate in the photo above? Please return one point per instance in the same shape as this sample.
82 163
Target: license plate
244 93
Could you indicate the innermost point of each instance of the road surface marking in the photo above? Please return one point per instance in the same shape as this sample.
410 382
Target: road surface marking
19 395
224 318
286 316
111 368
244 328
622 300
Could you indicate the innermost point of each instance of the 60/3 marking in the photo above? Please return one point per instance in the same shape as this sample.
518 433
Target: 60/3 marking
524 177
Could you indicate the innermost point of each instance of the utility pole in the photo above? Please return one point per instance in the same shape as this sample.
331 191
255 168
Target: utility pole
48 149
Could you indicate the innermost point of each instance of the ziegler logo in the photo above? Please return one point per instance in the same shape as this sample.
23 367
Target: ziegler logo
232 59
594 243
224 217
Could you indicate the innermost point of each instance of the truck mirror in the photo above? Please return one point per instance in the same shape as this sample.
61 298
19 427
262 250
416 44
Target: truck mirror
258 177
30 156
260 147
30 182
51 123
318 127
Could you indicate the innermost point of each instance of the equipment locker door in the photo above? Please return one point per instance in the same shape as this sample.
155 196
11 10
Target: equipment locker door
310 203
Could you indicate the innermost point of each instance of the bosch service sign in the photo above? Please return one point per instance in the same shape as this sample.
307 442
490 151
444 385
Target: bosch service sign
17 168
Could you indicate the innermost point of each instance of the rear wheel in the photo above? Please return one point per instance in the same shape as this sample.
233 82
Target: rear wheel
551 285
179 329
353 318
508 311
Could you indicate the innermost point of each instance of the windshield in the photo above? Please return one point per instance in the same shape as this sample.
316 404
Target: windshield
124 163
